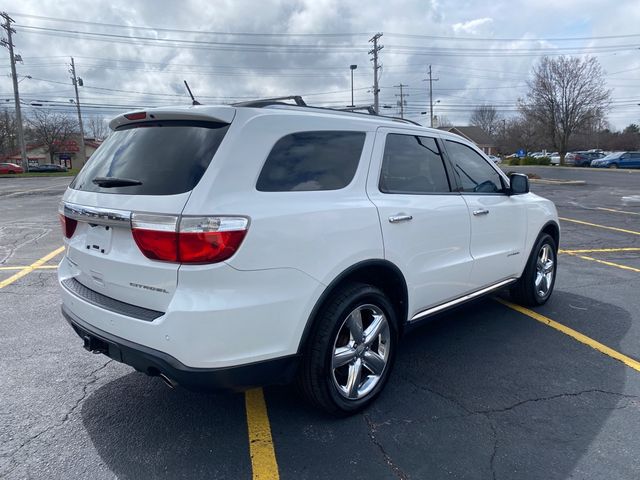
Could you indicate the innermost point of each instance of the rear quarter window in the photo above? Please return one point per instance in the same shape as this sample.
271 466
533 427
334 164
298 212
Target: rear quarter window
166 157
309 161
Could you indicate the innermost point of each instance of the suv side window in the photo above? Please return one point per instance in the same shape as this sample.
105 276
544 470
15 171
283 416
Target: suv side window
307 161
473 172
412 164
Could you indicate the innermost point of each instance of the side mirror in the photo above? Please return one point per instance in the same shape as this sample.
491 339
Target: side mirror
519 184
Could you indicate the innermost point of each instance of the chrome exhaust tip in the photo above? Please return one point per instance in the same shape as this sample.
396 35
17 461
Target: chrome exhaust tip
167 381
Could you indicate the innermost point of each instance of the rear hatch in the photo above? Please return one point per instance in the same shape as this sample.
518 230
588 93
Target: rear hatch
119 213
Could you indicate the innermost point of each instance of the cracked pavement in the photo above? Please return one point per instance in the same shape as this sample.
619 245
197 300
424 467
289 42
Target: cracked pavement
481 392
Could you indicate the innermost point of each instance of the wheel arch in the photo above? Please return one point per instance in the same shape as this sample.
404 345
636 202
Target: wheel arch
378 272
552 229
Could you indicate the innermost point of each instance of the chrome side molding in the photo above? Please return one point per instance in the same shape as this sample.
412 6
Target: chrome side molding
464 298
95 215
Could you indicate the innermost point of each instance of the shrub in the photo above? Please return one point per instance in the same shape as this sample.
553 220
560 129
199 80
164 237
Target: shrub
535 161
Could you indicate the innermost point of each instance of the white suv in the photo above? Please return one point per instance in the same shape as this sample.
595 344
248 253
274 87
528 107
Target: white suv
236 246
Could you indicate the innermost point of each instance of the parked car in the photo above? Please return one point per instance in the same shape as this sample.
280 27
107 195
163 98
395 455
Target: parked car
48 167
10 168
235 246
618 160
495 159
554 158
581 159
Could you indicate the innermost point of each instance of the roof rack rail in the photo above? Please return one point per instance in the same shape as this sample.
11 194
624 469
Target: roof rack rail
265 102
299 102
355 108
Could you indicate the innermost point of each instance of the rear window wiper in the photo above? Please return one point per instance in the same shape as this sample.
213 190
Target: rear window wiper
109 182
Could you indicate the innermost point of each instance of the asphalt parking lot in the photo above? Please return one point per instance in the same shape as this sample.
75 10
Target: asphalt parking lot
482 392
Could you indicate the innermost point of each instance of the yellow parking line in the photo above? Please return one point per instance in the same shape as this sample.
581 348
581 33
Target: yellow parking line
601 250
633 232
617 211
604 262
30 268
263 456
43 267
628 361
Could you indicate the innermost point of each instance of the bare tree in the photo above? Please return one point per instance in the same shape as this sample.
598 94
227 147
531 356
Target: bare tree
486 117
98 127
443 121
8 132
520 134
51 129
565 94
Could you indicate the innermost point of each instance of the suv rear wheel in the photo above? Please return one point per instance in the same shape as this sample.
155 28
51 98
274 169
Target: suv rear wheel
351 350
539 277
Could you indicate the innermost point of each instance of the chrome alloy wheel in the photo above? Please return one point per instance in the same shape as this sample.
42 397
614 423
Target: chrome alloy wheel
545 270
361 352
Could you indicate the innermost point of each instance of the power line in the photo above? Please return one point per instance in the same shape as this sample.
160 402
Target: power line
197 32
512 39
331 34
212 45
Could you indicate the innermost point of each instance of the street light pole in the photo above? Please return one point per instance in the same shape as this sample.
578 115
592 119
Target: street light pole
352 68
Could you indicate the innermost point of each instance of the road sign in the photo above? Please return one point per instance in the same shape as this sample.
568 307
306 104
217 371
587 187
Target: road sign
521 153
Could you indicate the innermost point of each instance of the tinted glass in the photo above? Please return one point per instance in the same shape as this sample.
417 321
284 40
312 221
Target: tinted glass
472 171
307 161
168 157
412 164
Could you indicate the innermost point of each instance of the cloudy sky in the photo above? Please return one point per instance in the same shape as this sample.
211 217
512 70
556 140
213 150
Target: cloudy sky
137 53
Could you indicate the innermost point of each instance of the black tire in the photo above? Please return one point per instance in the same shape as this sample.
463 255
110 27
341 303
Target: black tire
525 291
317 380
613 165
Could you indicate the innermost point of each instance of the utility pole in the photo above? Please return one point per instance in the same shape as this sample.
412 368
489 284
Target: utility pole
431 80
374 51
352 68
14 76
402 95
76 81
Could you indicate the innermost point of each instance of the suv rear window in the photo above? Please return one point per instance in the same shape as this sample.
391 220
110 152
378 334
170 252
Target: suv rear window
167 157
305 161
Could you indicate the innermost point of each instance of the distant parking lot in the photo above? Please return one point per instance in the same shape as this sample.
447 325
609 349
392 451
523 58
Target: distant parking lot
482 392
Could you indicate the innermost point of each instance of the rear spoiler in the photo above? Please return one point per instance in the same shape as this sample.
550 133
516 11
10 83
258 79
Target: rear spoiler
222 114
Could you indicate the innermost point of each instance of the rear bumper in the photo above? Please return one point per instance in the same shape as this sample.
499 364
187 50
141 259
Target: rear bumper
154 362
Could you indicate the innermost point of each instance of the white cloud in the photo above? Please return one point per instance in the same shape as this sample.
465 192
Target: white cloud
472 26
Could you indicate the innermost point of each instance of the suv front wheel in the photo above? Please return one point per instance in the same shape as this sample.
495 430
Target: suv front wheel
536 283
351 350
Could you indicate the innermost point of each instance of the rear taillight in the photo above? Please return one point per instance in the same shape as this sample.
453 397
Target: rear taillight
156 236
190 239
68 224
210 239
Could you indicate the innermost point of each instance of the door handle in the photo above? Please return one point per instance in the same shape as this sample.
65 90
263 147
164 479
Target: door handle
482 211
400 217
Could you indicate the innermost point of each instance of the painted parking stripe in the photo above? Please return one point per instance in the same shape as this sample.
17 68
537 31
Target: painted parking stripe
616 229
43 267
604 262
263 457
30 268
601 250
628 361
617 211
